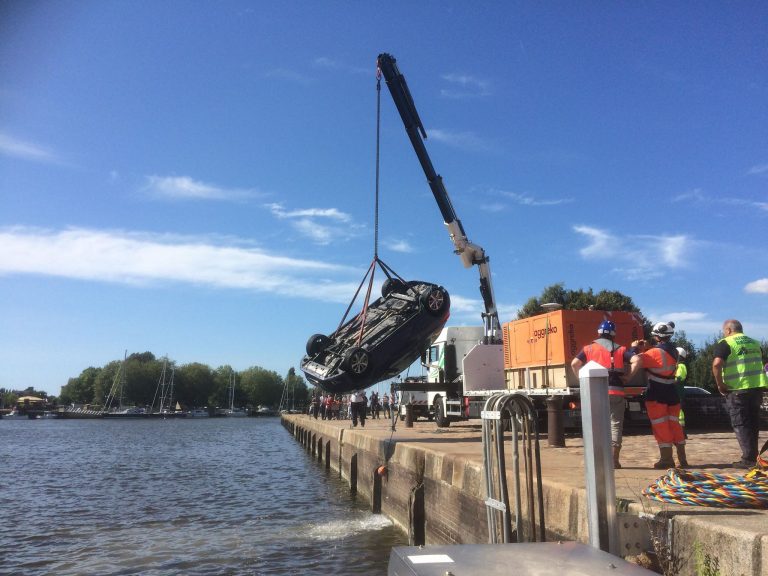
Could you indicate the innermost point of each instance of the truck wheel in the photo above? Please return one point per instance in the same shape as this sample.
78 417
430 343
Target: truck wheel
440 418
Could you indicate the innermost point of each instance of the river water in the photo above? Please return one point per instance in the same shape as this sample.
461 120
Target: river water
187 496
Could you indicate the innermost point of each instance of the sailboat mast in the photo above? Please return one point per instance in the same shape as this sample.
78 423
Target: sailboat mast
232 391
122 379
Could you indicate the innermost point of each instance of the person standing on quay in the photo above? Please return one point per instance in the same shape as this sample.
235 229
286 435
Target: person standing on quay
740 377
315 405
661 397
614 358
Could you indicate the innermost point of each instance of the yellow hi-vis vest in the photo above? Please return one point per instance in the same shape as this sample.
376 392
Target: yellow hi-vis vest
744 366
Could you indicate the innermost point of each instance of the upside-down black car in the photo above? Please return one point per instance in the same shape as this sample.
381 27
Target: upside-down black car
381 341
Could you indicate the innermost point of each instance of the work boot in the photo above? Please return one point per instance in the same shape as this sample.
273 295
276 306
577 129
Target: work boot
665 460
616 450
681 455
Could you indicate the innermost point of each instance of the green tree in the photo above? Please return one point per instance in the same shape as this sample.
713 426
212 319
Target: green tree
82 389
141 378
7 398
681 341
262 387
580 300
700 369
194 384
107 382
222 381
298 391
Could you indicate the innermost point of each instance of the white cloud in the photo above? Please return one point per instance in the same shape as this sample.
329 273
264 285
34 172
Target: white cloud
758 169
602 245
402 246
469 310
757 287
185 188
658 253
331 213
492 207
465 86
528 200
673 249
680 317
696 195
10 146
697 325
321 225
462 140
150 259
289 75
331 64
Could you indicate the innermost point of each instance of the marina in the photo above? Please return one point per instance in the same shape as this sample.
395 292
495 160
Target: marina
191 496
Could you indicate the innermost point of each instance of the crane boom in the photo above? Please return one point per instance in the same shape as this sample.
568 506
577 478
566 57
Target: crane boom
470 254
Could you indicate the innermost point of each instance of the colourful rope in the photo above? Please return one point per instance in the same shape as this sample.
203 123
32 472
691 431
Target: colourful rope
716 490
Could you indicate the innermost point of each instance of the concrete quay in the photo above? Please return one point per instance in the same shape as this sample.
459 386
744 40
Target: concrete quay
434 490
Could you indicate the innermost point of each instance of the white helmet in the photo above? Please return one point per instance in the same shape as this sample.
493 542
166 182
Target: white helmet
664 330
681 353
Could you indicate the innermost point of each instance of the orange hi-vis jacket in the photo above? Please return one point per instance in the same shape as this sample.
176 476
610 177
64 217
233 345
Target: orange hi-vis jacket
600 354
660 365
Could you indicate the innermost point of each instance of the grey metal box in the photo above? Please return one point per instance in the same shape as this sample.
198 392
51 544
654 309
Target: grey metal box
539 558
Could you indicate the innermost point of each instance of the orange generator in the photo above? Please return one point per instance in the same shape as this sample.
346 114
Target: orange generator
538 350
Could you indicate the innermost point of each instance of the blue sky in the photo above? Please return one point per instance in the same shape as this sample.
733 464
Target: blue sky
197 179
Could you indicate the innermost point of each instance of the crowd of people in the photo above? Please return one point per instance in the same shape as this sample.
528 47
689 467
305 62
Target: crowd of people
356 406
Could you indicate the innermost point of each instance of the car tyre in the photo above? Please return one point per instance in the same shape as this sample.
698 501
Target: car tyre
435 300
392 285
317 343
357 362
441 419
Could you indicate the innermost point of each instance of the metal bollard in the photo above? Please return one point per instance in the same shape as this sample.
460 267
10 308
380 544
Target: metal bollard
555 423
598 458
409 415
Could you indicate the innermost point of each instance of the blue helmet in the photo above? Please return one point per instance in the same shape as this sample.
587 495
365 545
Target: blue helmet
606 328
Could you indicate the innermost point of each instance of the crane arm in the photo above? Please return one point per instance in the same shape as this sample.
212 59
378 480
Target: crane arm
470 254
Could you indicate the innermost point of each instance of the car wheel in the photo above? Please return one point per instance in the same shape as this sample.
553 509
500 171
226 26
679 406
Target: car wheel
317 343
434 300
357 361
440 418
392 285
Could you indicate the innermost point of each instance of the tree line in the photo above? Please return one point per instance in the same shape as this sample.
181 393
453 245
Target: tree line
138 378
699 359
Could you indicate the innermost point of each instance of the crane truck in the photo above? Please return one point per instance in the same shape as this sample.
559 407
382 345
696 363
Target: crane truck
467 364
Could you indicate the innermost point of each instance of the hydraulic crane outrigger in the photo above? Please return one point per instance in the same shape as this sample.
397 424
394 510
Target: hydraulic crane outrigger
470 254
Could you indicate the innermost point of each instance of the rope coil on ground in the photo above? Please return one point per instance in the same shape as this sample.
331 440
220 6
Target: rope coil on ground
716 490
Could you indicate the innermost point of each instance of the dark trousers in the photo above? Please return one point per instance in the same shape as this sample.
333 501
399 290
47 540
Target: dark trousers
358 411
744 411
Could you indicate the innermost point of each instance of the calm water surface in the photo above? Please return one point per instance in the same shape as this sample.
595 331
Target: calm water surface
187 496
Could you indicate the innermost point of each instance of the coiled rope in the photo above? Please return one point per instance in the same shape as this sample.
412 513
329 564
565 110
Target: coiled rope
715 490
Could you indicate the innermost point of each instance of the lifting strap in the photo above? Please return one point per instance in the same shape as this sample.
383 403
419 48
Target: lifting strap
369 275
